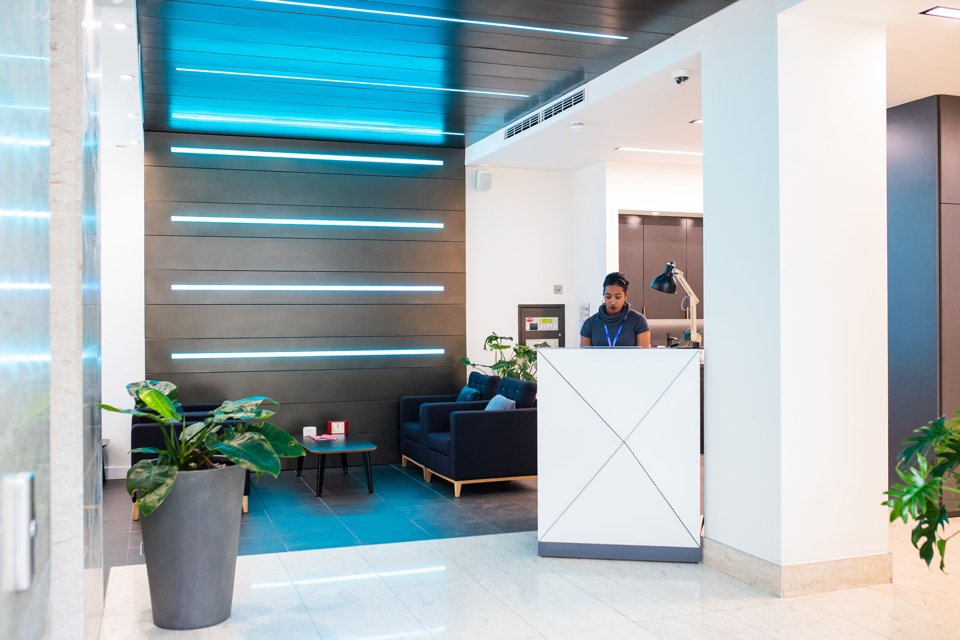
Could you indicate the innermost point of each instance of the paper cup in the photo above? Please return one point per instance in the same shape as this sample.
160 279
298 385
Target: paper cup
309 431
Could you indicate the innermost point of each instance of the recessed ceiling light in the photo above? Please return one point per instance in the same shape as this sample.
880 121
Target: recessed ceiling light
419 16
663 151
90 24
126 76
119 26
942 12
317 124
134 143
353 82
132 115
697 121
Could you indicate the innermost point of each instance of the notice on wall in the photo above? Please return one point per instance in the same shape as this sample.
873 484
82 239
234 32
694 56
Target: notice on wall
542 324
543 342
584 312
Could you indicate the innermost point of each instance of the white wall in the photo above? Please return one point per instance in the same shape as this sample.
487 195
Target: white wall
833 221
518 247
648 187
122 233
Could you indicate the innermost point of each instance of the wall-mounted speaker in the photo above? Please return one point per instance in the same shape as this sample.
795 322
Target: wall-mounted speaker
484 180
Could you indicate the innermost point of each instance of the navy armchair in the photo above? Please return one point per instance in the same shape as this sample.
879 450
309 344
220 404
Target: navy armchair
467 444
412 438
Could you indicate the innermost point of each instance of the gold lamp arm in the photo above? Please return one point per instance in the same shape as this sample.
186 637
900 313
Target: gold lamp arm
694 300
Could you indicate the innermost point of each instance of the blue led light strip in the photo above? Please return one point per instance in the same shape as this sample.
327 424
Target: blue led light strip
24 286
305 287
418 16
316 124
250 153
24 358
307 354
310 222
363 83
21 213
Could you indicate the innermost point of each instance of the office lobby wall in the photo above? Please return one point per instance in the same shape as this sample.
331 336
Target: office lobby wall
311 390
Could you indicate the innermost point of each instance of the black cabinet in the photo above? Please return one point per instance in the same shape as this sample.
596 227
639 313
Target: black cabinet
923 249
647 243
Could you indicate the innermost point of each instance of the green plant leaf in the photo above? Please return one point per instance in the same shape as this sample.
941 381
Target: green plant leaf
160 404
251 451
153 450
150 481
285 445
166 388
245 409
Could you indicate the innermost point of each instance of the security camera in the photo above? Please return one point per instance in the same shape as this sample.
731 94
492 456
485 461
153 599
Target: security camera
681 75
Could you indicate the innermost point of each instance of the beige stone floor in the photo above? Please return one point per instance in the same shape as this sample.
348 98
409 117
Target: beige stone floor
496 587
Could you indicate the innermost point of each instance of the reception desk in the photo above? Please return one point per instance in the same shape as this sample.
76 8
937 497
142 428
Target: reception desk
618 459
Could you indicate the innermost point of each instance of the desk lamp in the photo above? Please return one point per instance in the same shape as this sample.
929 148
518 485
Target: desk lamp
667 283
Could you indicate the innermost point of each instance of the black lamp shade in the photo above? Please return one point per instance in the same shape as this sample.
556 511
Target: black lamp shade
665 281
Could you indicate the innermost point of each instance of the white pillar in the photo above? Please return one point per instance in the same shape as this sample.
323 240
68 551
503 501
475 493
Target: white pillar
795 267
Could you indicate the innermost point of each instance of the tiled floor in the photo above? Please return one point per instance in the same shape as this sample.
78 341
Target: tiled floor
286 515
496 588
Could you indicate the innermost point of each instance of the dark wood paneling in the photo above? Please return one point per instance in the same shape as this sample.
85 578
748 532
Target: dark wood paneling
694 270
157 154
950 149
364 390
949 309
912 261
158 290
158 353
272 254
271 187
664 240
310 320
314 386
631 257
158 221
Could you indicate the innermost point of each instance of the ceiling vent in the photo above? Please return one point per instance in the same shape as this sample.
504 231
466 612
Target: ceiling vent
545 114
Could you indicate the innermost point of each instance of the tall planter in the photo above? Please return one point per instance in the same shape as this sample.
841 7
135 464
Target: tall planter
190 543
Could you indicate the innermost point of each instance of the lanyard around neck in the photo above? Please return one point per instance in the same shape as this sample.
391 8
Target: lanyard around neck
613 342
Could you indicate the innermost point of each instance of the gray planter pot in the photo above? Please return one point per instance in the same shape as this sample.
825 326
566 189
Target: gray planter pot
190 543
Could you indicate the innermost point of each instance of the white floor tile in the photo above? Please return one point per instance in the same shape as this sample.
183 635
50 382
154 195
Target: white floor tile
267 621
411 563
141 627
360 615
324 571
707 626
629 631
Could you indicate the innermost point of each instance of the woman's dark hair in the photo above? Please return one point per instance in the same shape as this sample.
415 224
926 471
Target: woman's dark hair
616 278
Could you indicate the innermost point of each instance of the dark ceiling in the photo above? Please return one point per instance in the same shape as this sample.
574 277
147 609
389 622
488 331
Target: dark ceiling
204 63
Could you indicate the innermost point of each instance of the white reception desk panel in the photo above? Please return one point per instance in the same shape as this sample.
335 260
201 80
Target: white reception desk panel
619 453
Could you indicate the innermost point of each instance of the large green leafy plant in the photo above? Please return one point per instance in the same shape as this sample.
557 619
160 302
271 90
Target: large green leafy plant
929 465
510 360
235 432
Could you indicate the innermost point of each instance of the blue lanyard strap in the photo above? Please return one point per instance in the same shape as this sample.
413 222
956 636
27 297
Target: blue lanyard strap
613 342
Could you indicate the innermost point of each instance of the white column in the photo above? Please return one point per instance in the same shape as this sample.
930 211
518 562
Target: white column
795 268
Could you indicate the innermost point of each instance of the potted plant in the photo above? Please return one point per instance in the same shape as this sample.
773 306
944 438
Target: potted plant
929 465
520 364
190 497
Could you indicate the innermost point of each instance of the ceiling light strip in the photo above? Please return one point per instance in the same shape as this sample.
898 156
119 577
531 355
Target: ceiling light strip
24 358
310 222
314 124
345 353
661 151
419 16
24 142
363 83
308 287
942 12
250 153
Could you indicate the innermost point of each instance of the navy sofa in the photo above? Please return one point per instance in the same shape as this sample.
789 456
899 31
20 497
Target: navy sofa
467 444
413 440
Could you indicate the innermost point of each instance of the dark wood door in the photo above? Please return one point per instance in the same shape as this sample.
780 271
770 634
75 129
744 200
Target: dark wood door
664 239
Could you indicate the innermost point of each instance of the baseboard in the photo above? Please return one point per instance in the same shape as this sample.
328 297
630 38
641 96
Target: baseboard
798 579
117 473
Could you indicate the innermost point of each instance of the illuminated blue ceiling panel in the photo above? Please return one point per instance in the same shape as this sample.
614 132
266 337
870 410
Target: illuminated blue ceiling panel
420 72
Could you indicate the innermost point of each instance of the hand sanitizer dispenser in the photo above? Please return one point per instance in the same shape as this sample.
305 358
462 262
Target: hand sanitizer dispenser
18 530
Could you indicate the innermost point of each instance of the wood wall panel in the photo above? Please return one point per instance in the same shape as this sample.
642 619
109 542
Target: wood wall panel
167 321
364 390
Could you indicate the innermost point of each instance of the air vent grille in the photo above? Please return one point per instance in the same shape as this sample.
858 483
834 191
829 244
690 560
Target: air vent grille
523 125
562 105
544 114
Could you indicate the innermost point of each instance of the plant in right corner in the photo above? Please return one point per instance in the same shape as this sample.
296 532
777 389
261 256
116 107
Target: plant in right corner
927 464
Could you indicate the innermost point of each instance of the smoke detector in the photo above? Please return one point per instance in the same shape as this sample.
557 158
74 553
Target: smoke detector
576 126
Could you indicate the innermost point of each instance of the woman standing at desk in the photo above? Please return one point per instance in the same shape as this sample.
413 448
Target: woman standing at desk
615 324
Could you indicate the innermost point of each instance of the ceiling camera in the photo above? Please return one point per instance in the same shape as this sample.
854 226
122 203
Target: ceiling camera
681 75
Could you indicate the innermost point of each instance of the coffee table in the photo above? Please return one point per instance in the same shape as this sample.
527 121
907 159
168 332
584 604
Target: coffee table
343 446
